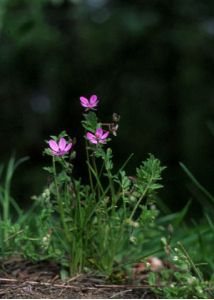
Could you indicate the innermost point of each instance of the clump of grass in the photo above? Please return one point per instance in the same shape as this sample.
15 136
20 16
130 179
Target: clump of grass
12 217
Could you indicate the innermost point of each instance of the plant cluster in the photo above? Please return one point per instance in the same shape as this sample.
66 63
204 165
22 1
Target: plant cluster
105 225
91 223
92 226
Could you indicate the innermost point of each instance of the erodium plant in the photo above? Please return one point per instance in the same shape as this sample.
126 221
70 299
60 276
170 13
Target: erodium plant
91 224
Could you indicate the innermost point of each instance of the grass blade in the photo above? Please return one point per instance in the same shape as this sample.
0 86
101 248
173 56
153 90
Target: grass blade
195 181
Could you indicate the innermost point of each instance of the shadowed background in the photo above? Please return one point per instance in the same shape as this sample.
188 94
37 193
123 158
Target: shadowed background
150 61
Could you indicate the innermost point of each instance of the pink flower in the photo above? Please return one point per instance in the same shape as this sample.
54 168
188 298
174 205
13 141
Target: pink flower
61 148
89 104
99 137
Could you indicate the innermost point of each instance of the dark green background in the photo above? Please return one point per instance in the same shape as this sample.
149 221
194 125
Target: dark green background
150 61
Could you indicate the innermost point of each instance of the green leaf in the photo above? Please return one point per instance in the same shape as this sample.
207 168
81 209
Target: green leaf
90 123
48 169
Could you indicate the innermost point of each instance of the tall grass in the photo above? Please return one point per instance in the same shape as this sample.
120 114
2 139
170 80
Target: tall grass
12 216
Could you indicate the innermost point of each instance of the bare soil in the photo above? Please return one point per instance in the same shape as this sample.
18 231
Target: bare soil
22 279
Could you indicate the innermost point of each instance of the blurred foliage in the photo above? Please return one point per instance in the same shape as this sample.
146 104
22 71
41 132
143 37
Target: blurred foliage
150 61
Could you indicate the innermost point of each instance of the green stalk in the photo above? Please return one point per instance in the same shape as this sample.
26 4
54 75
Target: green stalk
6 212
97 176
138 202
79 225
89 171
6 202
96 205
111 184
101 169
125 163
124 202
197 272
98 183
60 204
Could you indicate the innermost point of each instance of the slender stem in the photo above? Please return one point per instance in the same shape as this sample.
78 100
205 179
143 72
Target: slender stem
197 272
6 205
138 202
95 206
125 163
97 175
101 169
111 184
79 225
60 203
89 171
62 216
124 204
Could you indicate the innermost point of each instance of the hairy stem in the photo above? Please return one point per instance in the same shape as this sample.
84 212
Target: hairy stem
88 163
138 202
60 203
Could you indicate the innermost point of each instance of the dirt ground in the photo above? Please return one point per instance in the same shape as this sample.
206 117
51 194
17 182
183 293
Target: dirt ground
23 279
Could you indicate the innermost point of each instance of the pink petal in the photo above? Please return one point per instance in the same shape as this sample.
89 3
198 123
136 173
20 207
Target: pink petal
68 147
93 100
92 105
55 153
84 101
99 132
62 144
53 145
105 135
102 141
91 137
94 141
62 153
